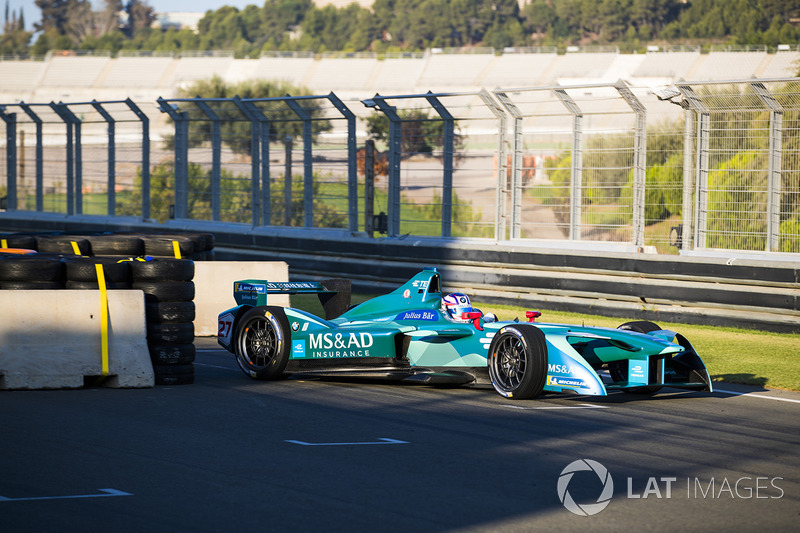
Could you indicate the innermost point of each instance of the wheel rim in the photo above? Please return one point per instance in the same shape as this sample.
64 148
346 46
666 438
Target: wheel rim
259 342
508 363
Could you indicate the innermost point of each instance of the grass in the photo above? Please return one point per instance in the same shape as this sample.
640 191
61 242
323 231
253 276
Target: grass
732 355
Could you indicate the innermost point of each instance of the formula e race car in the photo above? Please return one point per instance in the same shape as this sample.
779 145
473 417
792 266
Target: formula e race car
416 334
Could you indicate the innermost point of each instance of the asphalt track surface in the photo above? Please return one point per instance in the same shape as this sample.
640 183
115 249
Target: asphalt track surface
232 454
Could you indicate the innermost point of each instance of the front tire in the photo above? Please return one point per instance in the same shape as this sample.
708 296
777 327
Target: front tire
518 362
262 342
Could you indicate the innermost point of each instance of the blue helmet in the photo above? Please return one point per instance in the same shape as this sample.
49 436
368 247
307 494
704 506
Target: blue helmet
456 304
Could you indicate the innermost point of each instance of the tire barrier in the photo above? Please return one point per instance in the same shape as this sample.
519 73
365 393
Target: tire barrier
197 246
165 278
169 316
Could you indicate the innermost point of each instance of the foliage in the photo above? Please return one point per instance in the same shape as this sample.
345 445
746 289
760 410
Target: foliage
14 39
420 134
790 235
288 25
235 127
235 193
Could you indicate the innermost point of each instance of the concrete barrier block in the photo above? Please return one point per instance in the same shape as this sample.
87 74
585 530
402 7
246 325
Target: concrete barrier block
213 281
51 339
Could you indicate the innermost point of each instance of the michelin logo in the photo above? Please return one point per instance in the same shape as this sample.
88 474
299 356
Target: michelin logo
565 382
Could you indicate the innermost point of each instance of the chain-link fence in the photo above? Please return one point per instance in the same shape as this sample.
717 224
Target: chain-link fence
696 165
76 158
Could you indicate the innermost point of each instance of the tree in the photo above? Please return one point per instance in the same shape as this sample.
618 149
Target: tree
54 15
420 134
140 17
235 127
14 39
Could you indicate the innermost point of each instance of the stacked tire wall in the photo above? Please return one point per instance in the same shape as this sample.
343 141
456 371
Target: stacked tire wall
69 262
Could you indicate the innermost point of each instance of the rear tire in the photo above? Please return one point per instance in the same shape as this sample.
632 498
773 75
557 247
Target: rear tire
518 362
618 372
262 342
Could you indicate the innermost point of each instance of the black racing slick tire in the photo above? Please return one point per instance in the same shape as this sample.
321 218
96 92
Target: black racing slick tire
263 342
518 362
618 371
174 374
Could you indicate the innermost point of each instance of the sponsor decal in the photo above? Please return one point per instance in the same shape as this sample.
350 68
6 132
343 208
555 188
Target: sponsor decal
566 382
406 293
295 326
298 349
559 369
431 316
637 370
338 345
249 287
421 285
293 285
486 340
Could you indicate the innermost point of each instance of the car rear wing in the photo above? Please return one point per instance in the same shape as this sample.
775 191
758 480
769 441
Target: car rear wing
334 294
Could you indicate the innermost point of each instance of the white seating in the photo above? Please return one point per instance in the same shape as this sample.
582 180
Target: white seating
73 71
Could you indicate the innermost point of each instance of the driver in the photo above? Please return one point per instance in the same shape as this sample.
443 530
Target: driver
455 304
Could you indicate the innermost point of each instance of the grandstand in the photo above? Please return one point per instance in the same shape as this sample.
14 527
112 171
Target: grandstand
395 75
73 71
450 71
189 69
344 73
517 70
717 66
137 71
71 76
20 76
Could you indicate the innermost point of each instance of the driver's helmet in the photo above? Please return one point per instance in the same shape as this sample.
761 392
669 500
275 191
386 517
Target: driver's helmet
455 304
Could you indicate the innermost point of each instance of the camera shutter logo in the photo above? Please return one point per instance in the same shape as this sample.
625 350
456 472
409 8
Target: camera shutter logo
587 509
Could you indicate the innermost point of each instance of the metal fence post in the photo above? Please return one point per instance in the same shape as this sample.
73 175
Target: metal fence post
258 196
352 170
181 150
369 186
145 156
687 215
500 197
308 164
774 165
576 173
111 183
287 180
701 164
11 158
63 112
395 154
516 168
447 155
216 159
39 155
639 161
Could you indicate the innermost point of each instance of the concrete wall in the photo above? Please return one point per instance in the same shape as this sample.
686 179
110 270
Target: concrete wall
52 339
213 281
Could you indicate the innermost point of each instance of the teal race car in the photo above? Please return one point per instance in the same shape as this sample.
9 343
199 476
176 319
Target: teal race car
415 334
